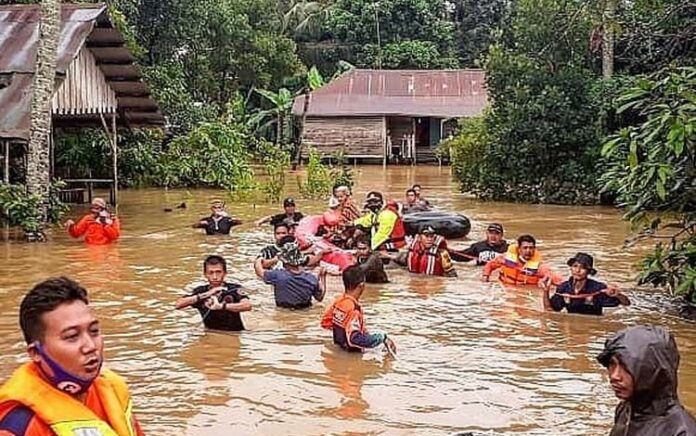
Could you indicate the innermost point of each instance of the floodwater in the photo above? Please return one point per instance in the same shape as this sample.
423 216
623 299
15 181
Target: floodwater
472 356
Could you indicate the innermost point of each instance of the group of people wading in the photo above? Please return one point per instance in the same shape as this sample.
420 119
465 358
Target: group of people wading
65 391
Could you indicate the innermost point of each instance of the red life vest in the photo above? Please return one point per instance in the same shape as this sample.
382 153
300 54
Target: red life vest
397 239
429 262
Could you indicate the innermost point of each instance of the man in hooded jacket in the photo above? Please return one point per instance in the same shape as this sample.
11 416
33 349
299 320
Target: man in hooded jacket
642 362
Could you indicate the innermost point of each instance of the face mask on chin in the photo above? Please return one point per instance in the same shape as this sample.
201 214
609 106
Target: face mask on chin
59 377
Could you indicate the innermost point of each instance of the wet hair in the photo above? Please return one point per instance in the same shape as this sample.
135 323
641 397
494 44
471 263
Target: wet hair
526 238
416 186
214 260
353 276
45 297
411 191
363 239
281 224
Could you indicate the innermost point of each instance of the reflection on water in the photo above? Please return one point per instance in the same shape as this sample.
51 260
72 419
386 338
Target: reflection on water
473 356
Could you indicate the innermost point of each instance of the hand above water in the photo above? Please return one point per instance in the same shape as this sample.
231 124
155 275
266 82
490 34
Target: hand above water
69 223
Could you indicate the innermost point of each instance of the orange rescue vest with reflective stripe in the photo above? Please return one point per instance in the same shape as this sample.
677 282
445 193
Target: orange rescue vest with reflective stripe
64 414
514 272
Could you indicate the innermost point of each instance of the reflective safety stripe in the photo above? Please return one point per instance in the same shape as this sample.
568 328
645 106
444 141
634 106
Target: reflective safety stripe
82 428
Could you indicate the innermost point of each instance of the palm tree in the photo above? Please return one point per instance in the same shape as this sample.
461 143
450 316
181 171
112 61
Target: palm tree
303 14
38 155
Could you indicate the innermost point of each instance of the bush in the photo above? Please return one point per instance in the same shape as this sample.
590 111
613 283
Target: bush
276 162
319 178
212 155
19 209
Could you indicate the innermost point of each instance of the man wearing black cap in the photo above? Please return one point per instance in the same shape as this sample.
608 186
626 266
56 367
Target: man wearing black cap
290 213
580 294
483 251
427 254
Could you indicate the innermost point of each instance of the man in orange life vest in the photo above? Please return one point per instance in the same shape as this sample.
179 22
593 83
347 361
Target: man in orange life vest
64 391
345 316
99 226
520 265
427 255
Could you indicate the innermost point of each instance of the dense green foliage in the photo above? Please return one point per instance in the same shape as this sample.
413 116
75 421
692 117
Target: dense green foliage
538 141
19 209
653 171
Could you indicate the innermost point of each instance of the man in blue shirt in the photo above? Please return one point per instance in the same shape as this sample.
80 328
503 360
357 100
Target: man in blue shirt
580 294
293 287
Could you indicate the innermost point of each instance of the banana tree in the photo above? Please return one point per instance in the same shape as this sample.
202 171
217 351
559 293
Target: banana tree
278 114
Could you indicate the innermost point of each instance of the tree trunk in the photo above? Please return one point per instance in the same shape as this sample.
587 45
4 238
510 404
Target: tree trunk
608 38
300 139
43 85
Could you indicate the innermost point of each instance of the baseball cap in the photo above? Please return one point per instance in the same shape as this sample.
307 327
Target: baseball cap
288 202
428 230
495 227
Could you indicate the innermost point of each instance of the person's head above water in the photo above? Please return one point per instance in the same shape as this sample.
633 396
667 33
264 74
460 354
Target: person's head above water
362 246
280 231
97 206
215 270
642 363
289 206
374 201
581 265
342 193
417 189
62 333
428 235
494 234
217 207
354 281
411 196
526 246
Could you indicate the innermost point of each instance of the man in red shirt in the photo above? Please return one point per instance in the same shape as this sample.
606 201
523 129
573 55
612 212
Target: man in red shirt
63 390
99 226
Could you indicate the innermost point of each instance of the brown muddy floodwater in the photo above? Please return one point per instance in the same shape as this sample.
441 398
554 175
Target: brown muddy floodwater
473 356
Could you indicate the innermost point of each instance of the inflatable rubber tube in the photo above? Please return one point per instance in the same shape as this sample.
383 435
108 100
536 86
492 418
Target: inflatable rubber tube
305 233
449 225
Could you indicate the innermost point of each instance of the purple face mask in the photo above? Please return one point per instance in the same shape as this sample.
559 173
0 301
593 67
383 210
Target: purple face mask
62 379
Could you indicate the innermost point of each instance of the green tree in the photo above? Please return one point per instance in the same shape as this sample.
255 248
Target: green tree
394 33
653 171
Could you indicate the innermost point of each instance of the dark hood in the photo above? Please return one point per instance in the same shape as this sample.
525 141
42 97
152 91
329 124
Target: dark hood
649 354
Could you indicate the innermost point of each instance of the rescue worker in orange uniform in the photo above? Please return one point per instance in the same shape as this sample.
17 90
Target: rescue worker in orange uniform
383 222
345 316
63 390
521 265
99 226
427 255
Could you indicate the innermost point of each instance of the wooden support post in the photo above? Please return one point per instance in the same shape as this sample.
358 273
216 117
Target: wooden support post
6 174
115 151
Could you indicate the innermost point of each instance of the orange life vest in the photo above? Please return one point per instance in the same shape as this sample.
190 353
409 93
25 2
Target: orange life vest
344 317
64 414
514 272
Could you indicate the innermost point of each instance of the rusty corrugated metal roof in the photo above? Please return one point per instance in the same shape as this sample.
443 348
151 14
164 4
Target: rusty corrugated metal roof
81 24
432 93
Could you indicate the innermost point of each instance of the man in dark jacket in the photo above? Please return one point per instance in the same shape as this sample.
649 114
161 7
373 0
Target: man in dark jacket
642 362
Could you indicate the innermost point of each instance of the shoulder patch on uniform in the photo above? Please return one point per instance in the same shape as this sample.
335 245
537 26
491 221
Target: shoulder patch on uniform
17 420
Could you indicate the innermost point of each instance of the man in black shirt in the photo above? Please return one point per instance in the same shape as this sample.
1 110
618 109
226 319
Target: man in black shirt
484 251
218 223
290 214
218 302
370 261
